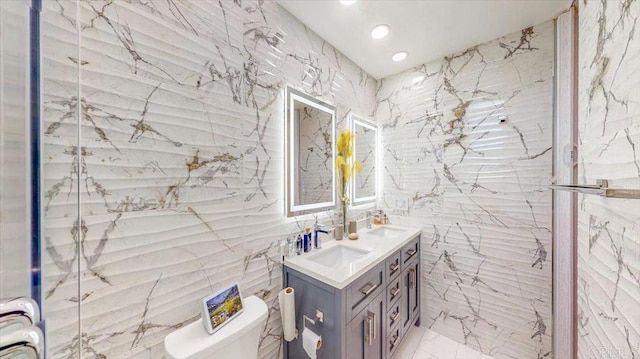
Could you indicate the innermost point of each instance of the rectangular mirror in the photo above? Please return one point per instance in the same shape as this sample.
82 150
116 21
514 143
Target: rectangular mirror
364 185
310 129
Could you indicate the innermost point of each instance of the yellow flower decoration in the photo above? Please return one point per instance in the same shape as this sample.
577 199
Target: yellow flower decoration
357 167
344 148
340 163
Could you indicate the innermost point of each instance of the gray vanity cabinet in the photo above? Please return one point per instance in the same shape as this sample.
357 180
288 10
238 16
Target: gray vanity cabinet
369 317
365 332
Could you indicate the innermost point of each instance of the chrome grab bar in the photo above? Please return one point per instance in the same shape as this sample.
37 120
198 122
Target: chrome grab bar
20 338
19 352
20 311
22 343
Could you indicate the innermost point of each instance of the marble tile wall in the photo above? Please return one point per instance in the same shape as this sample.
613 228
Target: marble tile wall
365 152
609 148
163 162
315 155
467 156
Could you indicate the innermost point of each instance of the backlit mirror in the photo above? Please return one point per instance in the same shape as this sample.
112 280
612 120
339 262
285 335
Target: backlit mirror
365 150
310 154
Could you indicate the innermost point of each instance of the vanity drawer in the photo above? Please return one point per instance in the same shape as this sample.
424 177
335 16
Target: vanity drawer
410 251
394 291
394 315
393 340
392 266
360 292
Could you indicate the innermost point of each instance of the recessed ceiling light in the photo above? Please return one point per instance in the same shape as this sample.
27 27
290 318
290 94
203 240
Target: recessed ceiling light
399 56
380 31
347 2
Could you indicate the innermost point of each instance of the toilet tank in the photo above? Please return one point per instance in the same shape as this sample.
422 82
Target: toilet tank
238 339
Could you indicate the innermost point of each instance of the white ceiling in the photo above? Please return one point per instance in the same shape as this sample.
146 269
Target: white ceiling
427 29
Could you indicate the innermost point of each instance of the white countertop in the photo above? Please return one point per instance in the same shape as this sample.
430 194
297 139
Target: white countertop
380 248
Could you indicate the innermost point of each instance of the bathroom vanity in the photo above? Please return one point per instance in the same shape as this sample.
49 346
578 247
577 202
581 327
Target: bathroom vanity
367 292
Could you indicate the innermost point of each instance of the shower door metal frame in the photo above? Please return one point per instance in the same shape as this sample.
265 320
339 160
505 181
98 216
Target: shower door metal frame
565 166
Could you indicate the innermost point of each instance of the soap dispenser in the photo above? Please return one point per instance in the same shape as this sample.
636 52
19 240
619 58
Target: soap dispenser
307 239
299 245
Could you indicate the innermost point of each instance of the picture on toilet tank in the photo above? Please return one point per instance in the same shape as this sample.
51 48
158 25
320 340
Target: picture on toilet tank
221 308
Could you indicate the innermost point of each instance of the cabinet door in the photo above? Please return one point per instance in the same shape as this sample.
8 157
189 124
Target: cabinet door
410 294
414 290
405 314
365 332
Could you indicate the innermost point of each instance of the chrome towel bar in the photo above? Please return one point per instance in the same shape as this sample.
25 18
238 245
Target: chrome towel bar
600 189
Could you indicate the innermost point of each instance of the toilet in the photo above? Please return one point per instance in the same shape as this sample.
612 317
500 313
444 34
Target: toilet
237 339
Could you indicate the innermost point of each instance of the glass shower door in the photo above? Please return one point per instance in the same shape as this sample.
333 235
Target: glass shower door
20 336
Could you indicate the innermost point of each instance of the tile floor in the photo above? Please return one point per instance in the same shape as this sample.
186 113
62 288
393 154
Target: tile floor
422 343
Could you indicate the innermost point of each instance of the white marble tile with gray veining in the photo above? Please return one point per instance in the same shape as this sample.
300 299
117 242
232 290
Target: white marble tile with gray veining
466 142
178 166
609 136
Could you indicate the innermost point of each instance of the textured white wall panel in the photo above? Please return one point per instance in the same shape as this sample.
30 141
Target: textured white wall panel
467 144
609 135
180 167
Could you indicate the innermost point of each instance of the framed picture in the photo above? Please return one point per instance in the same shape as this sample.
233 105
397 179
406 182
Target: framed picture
220 308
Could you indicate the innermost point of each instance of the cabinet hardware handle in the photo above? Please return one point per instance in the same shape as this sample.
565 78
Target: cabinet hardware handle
394 268
412 278
394 341
394 291
372 287
411 252
373 328
370 328
394 317
367 338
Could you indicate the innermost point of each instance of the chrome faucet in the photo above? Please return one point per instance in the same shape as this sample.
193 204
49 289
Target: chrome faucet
316 229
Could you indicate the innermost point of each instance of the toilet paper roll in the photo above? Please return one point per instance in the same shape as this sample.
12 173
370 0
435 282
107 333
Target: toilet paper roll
311 342
286 297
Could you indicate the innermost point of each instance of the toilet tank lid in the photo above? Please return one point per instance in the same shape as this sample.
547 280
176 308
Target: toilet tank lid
193 339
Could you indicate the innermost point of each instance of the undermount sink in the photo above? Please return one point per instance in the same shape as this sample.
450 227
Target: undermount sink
386 232
338 256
